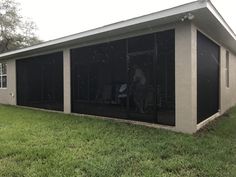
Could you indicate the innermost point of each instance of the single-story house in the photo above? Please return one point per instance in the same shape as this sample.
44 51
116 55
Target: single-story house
174 69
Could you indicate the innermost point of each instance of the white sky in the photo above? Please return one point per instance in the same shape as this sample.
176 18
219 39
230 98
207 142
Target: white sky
59 18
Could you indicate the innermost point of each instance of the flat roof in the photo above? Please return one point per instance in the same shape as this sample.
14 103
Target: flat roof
206 17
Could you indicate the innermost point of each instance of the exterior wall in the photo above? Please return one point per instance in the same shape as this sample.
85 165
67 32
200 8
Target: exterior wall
8 95
185 77
227 94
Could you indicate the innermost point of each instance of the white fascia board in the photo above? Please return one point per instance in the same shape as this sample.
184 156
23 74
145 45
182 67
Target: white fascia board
217 15
154 16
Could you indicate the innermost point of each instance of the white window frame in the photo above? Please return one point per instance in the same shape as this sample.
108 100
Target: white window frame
227 69
3 75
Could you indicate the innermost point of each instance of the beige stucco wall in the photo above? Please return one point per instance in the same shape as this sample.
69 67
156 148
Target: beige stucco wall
227 94
8 95
67 81
185 77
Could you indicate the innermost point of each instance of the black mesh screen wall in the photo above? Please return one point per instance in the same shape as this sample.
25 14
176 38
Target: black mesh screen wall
166 77
132 78
40 81
207 77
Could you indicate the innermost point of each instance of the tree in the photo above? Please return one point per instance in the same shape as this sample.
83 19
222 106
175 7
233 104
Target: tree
15 31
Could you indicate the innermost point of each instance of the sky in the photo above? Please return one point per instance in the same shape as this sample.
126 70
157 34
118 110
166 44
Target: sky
59 18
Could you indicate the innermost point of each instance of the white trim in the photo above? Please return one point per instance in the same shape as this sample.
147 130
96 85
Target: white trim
3 75
227 69
205 122
215 12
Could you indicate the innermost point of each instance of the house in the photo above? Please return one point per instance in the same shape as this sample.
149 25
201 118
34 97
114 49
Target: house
173 69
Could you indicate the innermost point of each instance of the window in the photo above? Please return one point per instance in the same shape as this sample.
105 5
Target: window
227 69
3 75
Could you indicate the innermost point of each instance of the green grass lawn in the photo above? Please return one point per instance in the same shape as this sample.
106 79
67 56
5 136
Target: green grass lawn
37 143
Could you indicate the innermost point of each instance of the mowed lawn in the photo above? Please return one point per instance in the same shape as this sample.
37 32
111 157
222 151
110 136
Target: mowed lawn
37 143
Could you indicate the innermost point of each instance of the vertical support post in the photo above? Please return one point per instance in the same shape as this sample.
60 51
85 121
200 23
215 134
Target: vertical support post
186 77
11 82
225 95
67 80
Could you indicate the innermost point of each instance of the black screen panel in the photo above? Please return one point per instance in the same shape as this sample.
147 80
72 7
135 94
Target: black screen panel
40 81
98 73
131 78
166 77
207 77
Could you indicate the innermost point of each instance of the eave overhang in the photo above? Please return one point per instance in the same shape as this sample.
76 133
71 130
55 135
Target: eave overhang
206 18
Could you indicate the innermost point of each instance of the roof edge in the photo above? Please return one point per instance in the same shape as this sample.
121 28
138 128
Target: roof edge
184 8
219 17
